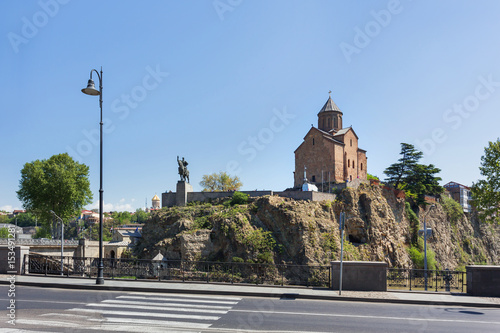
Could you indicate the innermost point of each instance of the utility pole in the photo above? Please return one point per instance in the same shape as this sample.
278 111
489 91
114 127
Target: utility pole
341 227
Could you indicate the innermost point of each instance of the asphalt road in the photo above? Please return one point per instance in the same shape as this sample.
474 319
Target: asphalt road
58 310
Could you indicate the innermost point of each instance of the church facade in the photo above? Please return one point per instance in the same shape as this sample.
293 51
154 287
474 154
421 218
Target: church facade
330 152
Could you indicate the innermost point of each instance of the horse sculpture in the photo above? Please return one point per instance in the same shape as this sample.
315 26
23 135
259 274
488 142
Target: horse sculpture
183 171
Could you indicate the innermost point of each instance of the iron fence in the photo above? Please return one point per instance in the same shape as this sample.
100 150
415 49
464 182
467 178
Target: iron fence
415 279
182 270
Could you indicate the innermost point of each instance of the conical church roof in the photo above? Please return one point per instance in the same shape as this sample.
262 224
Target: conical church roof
330 106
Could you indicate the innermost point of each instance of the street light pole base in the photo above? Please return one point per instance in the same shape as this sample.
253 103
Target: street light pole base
99 280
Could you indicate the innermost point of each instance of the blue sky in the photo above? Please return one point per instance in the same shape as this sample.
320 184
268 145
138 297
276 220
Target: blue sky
234 85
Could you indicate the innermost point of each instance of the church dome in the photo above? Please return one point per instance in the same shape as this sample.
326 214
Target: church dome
155 198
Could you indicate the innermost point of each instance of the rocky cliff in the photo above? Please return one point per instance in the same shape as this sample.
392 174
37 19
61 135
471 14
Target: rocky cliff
276 229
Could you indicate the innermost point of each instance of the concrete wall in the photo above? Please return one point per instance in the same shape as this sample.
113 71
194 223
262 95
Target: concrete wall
360 275
11 262
483 280
170 199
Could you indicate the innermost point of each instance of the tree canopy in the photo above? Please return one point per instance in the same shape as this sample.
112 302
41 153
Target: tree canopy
486 192
416 179
220 182
59 184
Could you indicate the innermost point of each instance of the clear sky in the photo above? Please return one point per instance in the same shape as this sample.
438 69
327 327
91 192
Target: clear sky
234 85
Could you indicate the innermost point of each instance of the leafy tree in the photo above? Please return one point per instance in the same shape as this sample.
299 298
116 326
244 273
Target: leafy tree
140 216
369 176
42 232
24 220
121 217
415 179
397 172
59 184
422 180
4 219
486 192
4 233
220 182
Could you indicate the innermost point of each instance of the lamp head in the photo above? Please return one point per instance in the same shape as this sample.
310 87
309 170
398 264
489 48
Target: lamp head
91 90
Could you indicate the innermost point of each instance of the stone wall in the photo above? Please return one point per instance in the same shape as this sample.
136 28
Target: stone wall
360 275
169 199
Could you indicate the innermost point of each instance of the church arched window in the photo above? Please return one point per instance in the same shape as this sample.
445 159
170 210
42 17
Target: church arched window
353 164
348 163
335 122
361 166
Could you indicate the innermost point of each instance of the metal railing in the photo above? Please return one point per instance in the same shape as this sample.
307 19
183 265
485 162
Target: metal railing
437 280
39 241
182 270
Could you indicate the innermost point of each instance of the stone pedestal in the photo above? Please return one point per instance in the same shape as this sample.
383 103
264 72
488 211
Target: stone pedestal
483 280
360 275
182 192
11 262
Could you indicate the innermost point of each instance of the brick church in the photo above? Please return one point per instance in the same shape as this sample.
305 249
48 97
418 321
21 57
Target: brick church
329 152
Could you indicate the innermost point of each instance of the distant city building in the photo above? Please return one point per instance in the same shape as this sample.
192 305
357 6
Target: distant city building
461 194
330 152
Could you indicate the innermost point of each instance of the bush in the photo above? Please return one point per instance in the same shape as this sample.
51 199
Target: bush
4 233
452 208
414 223
417 256
237 259
239 198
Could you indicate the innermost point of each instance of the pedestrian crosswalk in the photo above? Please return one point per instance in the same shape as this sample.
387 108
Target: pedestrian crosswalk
138 312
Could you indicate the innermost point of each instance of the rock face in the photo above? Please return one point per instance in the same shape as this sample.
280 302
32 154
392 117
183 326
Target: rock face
276 229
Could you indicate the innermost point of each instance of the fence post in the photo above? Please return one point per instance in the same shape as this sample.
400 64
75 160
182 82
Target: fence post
182 270
46 266
67 268
232 272
208 270
409 273
282 269
436 280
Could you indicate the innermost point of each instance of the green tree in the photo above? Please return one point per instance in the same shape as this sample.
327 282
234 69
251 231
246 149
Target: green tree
414 178
121 217
4 233
423 180
140 216
397 172
486 192
220 182
24 220
59 184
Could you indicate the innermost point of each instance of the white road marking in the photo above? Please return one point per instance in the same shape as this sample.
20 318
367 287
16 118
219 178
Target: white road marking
370 317
179 300
227 298
180 305
162 308
136 326
145 314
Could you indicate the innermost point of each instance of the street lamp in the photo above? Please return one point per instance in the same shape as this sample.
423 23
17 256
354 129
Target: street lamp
91 90
62 241
425 247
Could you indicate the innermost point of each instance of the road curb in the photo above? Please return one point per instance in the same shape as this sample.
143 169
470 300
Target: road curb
284 295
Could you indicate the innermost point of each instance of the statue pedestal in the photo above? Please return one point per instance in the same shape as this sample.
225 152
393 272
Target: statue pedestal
182 191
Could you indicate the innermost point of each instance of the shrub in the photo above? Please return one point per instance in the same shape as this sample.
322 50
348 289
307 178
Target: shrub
414 223
417 256
4 233
452 208
239 198
237 259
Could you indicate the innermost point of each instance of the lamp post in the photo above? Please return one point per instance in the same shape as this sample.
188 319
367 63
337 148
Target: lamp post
425 247
91 90
62 241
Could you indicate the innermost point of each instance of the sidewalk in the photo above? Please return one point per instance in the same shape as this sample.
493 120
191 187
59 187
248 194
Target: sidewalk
405 297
